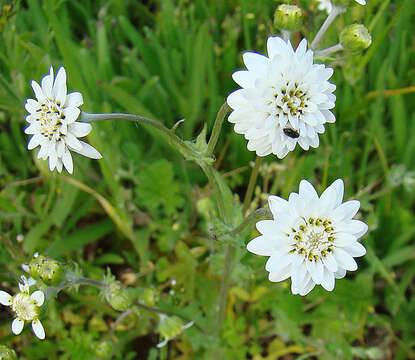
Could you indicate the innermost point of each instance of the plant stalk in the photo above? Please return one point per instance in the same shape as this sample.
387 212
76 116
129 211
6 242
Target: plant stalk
330 18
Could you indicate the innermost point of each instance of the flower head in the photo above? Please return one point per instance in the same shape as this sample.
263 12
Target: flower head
311 239
25 306
328 6
285 99
52 122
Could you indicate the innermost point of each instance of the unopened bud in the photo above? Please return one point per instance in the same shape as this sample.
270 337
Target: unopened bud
355 37
49 271
7 354
151 297
170 327
117 296
288 17
104 349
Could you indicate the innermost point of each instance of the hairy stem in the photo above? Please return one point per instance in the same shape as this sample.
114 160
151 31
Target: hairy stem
330 18
330 50
217 126
252 218
251 184
174 140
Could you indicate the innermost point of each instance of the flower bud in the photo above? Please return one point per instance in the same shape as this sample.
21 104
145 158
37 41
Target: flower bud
288 17
103 349
49 271
170 327
7 354
117 296
355 37
151 297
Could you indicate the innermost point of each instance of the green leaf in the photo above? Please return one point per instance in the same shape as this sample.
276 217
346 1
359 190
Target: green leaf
158 189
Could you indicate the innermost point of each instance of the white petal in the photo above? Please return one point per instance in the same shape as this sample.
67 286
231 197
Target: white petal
277 204
5 298
328 280
307 190
344 259
261 245
67 161
59 87
330 262
38 329
47 82
309 286
278 261
71 114
38 91
39 297
80 129
340 273
283 274
256 63
88 151
34 141
361 2
73 142
333 195
74 99
356 249
347 210
267 227
17 326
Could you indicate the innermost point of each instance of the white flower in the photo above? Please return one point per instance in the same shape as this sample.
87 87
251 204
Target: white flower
25 306
53 123
312 239
327 5
285 99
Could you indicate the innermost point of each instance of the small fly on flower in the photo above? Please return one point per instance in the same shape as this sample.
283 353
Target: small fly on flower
292 133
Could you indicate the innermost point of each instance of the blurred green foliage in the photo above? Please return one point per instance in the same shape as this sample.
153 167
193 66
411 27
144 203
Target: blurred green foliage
147 214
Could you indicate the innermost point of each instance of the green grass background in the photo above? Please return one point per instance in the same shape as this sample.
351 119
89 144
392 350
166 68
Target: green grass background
146 212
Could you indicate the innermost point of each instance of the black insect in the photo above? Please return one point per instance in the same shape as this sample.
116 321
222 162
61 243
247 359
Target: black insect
291 133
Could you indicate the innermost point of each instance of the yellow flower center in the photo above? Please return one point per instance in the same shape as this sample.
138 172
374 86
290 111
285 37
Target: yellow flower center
24 307
292 99
50 116
313 239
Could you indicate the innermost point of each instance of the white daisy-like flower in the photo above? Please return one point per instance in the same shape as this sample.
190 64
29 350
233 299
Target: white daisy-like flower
328 6
25 306
325 5
311 239
285 99
53 123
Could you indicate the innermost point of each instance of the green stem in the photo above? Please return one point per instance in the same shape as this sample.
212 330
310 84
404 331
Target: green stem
252 218
167 312
217 126
330 18
251 185
174 140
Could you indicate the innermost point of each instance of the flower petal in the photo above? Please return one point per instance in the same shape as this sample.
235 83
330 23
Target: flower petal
80 129
347 210
17 326
261 245
5 298
38 329
333 195
38 297
67 161
88 151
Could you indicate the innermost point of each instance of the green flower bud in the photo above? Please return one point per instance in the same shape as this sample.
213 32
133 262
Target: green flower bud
170 326
7 354
117 296
151 297
104 349
49 271
288 17
355 37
